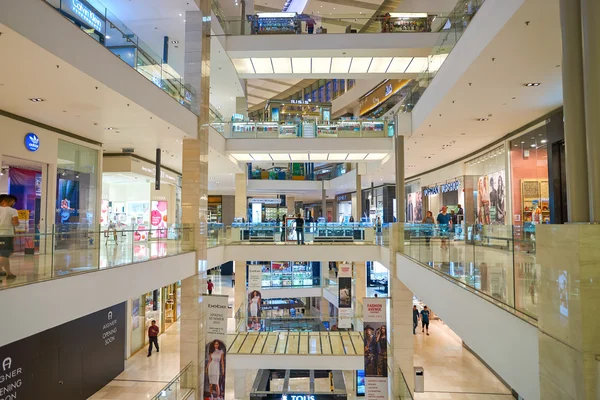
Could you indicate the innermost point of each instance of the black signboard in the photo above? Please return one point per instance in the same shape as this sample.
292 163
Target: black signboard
71 361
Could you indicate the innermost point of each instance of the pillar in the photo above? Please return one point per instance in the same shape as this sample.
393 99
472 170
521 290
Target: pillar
239 384
400 195
360 284
574 112
194 195
401 303
324 201
240 294
590 12
241 106
291 205
324 306
357 205
241 199
568 292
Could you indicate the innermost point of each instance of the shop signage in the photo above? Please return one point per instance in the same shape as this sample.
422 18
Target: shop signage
381 94
86 15
300 101
32 142
343 197
430 191
216 317
450 187
258 200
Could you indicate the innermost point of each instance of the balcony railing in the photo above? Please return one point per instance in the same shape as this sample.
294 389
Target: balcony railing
93 18
181 387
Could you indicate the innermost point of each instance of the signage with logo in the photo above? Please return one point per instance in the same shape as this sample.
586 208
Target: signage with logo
259 200
381 94
32 142
343 197
84 13
450 186
430 191
216 316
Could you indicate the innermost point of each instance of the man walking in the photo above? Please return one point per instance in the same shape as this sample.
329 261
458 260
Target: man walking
8 220
415 319
210 286
300 228
153 337
425 320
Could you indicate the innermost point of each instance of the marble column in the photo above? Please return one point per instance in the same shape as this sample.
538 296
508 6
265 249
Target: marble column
194 196
324 309
240 285
568 305
241 199
360 279
358 209
291 205
401 302
400 195
324 201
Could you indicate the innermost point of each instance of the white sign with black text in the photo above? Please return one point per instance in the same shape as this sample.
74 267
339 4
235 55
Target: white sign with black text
216 317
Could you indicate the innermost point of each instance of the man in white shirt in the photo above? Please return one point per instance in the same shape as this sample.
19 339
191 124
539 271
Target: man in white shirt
8 220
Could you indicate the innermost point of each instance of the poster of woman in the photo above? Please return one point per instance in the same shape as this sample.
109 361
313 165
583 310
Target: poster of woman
254 311
376 350
214 374
491 198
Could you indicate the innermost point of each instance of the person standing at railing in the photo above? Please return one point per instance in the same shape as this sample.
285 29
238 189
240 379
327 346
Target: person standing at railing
310 26
378 231
430 222
444 221
300 228
8 220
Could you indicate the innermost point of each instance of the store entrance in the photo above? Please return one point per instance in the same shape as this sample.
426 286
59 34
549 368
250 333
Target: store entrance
23 179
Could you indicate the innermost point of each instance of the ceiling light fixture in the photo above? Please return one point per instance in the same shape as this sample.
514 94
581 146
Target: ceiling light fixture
175 41
532 84
107 36
482 119
36 100
544 141
109 128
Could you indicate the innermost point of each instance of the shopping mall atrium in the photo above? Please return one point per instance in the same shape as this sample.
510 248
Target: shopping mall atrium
300 199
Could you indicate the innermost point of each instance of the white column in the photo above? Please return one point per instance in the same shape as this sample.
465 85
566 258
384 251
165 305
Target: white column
239 385
241 201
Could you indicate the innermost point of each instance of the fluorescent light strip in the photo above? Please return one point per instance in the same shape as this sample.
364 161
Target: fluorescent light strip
380 65
262 65
243 65
301 65
318 156
360 65
243 157
340 65
261 157
337 156
398 65
321 65
280 157
375 156
299 157
356 156
417 65
282 65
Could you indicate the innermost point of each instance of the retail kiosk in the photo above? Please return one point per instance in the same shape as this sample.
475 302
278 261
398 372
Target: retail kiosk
298 384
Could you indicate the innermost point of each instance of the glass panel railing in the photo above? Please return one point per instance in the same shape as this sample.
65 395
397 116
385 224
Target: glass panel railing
296 324
313 232
61 251
286 130
103 26
452 29
487 258
295 24
181 387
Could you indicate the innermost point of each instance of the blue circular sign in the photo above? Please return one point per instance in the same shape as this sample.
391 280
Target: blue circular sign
32 142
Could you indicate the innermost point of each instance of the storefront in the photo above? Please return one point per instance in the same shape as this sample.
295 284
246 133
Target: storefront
344 207
65 200
299 385
414 202
279 274
130 200
379 202
215 209
267 209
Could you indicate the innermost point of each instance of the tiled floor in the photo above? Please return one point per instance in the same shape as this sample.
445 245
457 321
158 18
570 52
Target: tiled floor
451 371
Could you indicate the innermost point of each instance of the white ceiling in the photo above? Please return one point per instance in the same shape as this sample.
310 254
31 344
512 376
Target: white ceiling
79 104
493 87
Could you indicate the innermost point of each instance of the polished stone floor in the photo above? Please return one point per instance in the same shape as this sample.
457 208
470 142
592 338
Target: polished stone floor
451 371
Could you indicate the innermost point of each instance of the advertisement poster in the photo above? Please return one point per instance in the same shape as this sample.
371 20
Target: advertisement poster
255 276
345 295
375 336
158 219
214 373
491 199
254 311
414 207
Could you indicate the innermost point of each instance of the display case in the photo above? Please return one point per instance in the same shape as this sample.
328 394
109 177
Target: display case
288 130
262 232
243 129
535 199
287 274
373 128
281 274
302 274
276 23
334 233
327 130
349 129
267 129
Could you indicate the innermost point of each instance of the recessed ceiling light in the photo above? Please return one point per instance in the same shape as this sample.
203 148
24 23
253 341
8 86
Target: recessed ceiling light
533 84
543 140
175 41
36 100
109 128
533 145
180 14
107 36
482 119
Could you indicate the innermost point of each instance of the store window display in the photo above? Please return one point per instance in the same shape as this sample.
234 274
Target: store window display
414 202
290 273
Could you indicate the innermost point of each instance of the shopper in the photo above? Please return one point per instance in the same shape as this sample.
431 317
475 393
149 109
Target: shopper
453 217
233 279
310 26
415 319
444 222
211 286
425 320
460 214
153 337
378 231
300 228
8 220
351 219
429 222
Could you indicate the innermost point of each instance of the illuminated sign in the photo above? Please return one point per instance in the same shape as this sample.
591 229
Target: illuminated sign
379 95
257 200
86 15
430 191
450 187
32 142
388 89
300 101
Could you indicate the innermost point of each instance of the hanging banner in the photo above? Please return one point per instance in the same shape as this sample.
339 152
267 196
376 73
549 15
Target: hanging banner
375 334
254 297
345 296
215 352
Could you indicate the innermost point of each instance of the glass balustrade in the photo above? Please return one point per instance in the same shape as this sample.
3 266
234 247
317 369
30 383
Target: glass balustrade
93 18
57 252
181 387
